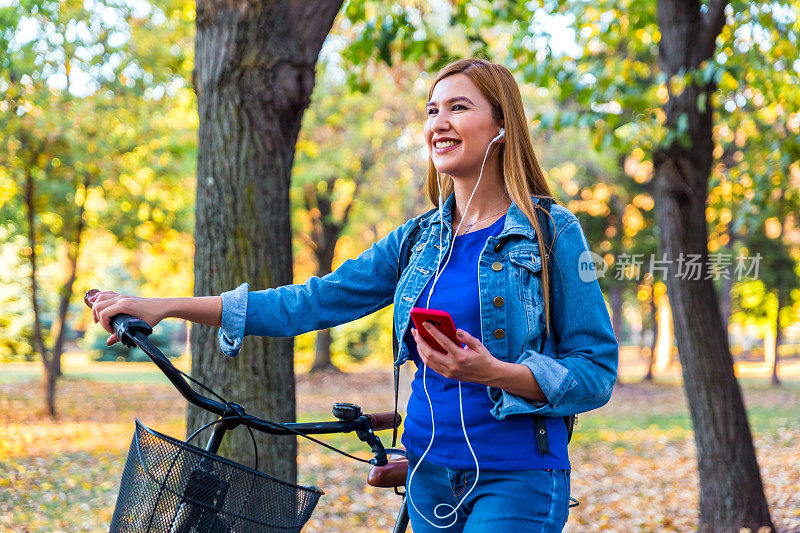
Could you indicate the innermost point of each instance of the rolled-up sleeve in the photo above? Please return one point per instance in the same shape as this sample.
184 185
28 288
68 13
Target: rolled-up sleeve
234 313
357 288
578 370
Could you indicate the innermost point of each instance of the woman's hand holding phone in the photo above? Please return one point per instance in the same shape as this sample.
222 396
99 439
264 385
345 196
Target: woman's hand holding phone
472 363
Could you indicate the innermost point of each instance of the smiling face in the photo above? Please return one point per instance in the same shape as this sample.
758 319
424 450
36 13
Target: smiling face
459 113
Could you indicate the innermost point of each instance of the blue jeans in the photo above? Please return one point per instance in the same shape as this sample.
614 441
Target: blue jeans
515 501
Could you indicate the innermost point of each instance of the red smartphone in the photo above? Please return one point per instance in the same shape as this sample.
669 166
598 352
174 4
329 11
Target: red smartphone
440 319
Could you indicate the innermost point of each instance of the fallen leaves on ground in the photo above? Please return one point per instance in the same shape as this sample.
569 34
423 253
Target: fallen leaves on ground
633 465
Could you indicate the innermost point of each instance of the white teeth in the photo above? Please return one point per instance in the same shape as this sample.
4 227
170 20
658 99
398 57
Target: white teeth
445 144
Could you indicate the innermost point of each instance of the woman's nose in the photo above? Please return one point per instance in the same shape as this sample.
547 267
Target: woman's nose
441 128
441 122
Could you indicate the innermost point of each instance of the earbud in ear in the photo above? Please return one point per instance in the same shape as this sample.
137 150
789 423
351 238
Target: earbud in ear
500 135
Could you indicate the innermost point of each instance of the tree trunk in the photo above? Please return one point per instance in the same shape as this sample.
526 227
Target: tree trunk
731 492
73 252
49 374
654 319
254 74
725 302
322 355
616 311
324 236
775 380
665 335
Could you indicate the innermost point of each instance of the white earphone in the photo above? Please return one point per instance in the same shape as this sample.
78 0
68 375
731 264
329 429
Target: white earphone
452 510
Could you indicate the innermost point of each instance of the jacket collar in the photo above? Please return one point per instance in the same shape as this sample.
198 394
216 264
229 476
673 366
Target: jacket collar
516 222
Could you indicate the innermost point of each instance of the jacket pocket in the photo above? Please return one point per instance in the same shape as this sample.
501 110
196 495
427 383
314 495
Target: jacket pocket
525 271
527 274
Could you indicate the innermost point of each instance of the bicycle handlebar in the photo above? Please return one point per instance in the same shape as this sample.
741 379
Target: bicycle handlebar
132 331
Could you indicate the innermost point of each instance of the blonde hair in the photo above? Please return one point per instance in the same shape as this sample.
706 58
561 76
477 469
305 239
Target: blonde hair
522 176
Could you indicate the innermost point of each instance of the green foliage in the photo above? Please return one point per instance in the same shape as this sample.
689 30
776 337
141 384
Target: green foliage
613 81
365 338
600 63
16 316
109 145
772 298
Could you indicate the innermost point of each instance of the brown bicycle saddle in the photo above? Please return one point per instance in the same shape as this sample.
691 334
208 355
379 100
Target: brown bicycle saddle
392 475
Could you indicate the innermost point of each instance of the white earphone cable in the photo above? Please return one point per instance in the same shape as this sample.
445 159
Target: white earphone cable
453 509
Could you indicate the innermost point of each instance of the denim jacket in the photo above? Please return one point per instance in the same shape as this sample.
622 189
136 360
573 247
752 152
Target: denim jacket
575 366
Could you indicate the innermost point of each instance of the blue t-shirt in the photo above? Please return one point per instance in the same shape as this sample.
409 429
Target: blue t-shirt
508 444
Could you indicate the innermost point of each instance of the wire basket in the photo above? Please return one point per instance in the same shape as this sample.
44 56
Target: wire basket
171 486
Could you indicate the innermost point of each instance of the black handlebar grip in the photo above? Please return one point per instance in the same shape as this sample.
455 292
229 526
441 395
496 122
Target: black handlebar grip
125 326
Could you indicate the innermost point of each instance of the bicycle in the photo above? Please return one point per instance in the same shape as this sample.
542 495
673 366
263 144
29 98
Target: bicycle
170 485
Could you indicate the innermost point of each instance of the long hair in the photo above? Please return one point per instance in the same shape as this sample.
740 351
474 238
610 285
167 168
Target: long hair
522 176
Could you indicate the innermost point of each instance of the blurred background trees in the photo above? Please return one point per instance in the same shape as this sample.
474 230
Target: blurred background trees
93 140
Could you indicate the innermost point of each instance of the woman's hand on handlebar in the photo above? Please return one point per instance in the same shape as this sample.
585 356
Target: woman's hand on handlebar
107 304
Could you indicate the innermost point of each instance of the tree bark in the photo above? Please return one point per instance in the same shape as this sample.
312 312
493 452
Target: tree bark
731 491
254 74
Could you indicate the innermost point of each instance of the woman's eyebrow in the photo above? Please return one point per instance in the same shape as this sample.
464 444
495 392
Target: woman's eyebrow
450 101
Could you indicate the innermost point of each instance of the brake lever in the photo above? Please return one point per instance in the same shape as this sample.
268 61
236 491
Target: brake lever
375 444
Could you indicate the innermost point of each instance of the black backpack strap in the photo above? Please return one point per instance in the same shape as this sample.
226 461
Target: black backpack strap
547 255
539 421
544 226
406 246
541 434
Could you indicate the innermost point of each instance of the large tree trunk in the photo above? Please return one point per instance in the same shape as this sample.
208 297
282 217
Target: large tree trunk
254 74
731 492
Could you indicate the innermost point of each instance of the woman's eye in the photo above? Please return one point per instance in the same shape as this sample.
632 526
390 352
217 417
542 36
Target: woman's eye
431 110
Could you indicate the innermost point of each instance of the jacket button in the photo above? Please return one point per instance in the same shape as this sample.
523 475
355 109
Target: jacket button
419 247
498 301
498 247
499 333
497 266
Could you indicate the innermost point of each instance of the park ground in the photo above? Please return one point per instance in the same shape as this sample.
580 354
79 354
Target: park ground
633 465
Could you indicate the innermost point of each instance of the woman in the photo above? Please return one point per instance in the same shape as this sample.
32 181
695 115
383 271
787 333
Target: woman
474 462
